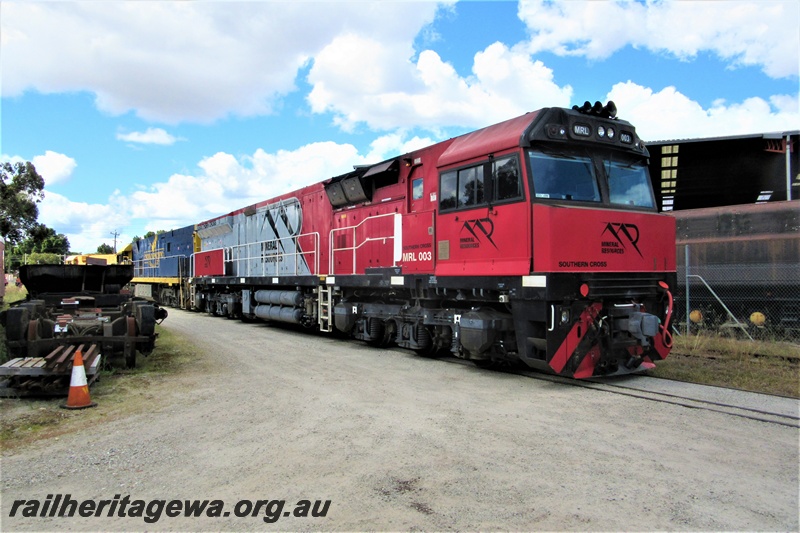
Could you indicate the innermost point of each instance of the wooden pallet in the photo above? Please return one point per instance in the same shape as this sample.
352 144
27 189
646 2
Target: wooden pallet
43 375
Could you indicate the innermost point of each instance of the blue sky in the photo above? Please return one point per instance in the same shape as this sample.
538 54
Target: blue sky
152 115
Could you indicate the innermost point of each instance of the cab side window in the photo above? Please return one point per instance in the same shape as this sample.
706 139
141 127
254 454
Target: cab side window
470 186
447 192
495 180
505 174
417 188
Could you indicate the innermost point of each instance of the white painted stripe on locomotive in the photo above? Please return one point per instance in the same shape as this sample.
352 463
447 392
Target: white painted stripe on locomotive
534 281
398 238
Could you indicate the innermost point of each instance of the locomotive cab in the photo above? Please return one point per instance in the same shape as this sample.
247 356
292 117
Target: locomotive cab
597 299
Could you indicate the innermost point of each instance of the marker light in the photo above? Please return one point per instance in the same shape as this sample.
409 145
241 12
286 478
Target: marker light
556 131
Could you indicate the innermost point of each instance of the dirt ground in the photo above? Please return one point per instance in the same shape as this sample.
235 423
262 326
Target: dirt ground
398 442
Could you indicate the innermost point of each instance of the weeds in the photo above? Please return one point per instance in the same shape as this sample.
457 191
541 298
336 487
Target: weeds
118 392
758 366
13 294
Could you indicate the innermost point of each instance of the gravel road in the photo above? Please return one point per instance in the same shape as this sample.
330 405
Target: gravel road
398 442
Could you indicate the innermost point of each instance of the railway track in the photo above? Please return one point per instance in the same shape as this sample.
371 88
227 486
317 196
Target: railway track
789 358
744 404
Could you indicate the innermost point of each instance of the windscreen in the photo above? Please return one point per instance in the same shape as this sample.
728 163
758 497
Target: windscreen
590 177
628 184
564 177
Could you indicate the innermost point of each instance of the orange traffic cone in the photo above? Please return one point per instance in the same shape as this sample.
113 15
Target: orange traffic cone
78 387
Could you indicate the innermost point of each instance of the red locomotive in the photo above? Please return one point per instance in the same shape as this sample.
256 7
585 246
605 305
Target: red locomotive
534 240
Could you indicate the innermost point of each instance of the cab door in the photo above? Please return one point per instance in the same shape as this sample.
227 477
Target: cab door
482 225
417 254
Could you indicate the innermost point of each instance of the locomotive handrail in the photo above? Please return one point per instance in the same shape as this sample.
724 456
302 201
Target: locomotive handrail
148 266
283 255
231 255
354 248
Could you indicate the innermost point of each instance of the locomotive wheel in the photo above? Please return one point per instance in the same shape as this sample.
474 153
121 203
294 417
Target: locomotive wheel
486 364
427 348
376 332
389 334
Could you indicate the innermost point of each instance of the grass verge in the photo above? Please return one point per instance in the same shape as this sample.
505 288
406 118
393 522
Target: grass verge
13 294
119 393
758 366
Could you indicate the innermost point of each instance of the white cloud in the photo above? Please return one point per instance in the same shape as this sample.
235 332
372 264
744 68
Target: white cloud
54 167
150 136
429 93
13 159
225 183
237 58
395 144
222 184
87 226
668 114
764 34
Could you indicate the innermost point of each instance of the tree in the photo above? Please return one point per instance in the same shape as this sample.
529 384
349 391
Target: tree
38 258
21 188
42 239
105 249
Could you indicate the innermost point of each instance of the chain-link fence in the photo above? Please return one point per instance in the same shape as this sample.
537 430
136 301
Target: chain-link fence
758 301
13 262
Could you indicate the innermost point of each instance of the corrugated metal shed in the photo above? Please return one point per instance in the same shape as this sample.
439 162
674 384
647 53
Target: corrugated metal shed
720 171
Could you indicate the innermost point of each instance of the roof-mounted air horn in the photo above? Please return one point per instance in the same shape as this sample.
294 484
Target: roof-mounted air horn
598 109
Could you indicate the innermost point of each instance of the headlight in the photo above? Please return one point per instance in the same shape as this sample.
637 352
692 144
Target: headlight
601 131
610 133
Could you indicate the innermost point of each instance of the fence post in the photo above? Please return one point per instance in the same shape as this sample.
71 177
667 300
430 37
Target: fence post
686 285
